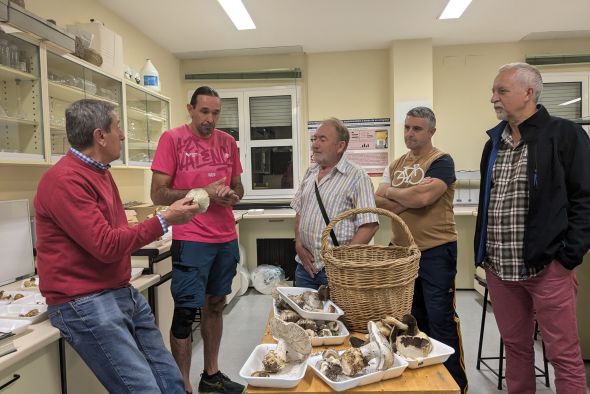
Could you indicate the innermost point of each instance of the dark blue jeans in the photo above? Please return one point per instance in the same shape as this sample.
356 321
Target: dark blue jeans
114 333
434 304
302 278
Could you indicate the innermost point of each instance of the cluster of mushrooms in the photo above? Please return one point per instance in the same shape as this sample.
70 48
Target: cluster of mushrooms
293 345
310 301
385 337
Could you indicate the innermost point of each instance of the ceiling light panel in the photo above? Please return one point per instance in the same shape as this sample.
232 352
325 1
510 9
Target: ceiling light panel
238 14
454 9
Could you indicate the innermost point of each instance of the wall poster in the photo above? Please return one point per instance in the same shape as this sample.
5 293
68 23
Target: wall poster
368 146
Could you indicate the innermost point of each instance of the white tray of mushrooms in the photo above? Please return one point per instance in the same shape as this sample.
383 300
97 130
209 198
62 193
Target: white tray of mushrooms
321 332
370 363
307 303
32 313
30 284
413 345
282 365
10 296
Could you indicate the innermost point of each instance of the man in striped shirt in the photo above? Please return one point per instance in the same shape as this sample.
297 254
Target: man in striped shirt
341 186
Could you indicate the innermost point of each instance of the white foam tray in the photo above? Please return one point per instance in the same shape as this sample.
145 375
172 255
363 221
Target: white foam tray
439 354
289 377
285 292
32 299
322 341
370 374
12 293
31 288
14 311
13 325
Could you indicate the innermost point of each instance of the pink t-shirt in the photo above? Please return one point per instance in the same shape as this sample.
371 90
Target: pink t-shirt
192 162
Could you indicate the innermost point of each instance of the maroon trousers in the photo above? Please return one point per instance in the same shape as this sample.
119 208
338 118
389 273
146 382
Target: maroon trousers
549 297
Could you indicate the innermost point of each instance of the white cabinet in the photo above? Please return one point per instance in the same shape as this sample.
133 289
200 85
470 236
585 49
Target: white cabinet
148 116
37 373
70 80
21 125
36 90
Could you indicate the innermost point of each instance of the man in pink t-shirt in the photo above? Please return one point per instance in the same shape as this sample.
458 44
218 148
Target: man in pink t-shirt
204 251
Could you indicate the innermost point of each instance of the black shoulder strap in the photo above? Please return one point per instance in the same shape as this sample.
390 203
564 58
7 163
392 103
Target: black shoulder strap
324 214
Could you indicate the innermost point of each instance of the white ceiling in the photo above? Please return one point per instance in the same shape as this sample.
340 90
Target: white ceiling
198 28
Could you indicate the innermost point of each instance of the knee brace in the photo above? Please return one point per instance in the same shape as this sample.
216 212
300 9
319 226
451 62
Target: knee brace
182 322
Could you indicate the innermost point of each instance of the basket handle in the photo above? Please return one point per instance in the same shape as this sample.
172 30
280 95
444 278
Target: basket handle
357 211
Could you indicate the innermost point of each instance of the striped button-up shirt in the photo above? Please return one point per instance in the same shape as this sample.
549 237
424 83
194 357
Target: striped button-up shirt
345 187
507 211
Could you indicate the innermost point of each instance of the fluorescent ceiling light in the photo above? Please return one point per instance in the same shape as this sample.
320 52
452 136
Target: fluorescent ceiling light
238 14
454 9
572 101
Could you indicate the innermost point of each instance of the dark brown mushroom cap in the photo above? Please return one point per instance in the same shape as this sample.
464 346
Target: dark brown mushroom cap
324 293
412 324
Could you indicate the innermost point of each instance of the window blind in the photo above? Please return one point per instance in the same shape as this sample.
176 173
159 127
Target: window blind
563 99
268 111
228 118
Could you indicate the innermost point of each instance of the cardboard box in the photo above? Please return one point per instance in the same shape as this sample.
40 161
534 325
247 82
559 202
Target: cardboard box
106 42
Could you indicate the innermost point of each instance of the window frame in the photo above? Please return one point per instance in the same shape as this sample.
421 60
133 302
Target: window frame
580 77
245 143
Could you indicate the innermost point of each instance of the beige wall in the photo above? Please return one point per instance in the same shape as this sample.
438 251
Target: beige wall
463 76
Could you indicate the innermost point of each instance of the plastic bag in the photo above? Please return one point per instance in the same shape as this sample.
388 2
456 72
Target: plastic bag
265 277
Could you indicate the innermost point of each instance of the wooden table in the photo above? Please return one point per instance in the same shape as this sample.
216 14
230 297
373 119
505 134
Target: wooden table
432 379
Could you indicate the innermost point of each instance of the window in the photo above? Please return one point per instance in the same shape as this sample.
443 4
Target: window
567 95
264 123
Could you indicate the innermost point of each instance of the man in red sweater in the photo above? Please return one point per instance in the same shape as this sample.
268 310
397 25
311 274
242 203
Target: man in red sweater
84 250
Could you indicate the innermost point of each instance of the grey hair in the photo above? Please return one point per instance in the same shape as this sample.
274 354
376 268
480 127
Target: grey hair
423 113
341 129
83 117
528 75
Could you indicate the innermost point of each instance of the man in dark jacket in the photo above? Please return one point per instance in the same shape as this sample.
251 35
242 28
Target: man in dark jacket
533 228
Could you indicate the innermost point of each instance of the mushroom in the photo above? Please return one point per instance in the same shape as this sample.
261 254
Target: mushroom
289 316
410 342
311 333
324 293
353 360
293 341
297 299
329 365
260 374
325 333
312 299
307 324
200 197
384 329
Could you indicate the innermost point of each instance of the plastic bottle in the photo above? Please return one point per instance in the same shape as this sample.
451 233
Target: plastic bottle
150 77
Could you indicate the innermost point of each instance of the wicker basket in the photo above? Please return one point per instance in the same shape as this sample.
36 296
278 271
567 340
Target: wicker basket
369 281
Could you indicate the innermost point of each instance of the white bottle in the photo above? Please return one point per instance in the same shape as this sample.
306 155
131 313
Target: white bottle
150 77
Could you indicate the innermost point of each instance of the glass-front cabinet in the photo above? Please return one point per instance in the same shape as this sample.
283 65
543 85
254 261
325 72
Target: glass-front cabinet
148 116
21 117
69 81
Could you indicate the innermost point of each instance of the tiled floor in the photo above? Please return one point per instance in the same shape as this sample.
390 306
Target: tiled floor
246 317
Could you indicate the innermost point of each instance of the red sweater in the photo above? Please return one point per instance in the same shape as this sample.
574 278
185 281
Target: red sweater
84 244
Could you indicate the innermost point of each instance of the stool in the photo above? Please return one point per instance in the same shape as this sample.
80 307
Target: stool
482 360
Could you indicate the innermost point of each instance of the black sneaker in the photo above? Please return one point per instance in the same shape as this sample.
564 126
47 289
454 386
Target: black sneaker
219 384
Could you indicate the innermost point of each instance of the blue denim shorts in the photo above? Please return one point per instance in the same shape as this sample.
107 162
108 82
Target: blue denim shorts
200 268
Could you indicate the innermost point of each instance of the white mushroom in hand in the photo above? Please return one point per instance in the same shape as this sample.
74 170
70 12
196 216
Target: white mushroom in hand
410 342
353 360
200 197
293 341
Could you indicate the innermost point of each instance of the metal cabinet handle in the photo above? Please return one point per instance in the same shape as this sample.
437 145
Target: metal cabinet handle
15 377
